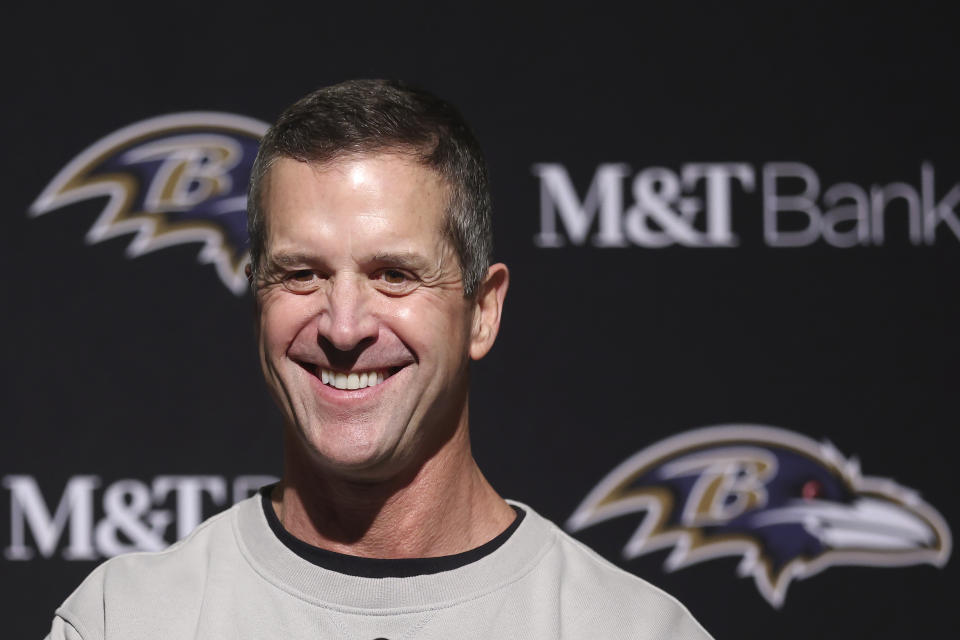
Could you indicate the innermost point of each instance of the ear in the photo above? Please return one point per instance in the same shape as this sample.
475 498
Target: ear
487 309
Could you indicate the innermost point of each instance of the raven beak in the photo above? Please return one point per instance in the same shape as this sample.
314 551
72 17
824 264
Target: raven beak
867 524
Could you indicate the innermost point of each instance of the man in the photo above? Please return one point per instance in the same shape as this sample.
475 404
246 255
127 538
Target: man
369 219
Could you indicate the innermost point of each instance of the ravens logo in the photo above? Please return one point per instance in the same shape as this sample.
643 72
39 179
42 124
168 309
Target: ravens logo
789 506
169 180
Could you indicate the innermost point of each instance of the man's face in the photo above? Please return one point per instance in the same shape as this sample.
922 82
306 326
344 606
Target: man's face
359 285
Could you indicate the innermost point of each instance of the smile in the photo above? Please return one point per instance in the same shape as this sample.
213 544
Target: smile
354 380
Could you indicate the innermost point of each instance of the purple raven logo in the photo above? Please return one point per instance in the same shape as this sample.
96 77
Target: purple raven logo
169 180
787 505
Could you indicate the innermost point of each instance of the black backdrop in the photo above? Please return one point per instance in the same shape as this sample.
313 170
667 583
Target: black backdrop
121 370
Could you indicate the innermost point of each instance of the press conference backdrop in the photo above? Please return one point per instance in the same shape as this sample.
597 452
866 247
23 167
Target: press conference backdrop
728 360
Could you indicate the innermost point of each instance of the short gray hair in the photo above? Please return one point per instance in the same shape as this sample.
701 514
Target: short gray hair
370 116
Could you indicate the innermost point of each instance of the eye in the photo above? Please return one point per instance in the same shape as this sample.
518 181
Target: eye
395 281
300 281
812 489
393 276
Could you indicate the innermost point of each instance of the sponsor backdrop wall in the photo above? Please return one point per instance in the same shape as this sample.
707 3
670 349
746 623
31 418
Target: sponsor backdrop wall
729 355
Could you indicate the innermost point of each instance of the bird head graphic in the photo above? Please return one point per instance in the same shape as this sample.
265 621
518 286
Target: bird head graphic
787 505
169 180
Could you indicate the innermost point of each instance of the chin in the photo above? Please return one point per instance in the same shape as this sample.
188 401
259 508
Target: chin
353 454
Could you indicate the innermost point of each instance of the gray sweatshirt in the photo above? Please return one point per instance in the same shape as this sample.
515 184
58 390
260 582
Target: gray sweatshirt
237 576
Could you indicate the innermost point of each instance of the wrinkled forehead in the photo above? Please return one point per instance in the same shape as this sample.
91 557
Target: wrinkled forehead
381 197
353 169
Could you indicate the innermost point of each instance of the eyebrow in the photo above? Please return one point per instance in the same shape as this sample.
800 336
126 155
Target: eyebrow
404 259
290 259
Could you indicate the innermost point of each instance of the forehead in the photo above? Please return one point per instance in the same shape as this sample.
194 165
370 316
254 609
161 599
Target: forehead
387 197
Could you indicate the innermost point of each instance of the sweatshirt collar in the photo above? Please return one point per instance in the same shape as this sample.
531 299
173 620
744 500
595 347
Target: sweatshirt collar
486 569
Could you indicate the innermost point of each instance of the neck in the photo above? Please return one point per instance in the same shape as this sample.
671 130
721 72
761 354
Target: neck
443 506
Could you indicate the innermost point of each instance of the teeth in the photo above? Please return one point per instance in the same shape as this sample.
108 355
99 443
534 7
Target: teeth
352 380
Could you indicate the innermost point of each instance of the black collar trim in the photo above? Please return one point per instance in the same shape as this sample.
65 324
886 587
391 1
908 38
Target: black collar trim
380 567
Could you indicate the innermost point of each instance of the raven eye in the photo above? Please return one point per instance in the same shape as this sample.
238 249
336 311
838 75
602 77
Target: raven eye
812 489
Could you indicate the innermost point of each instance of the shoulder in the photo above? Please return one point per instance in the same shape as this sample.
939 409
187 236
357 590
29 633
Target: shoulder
603 600
164 580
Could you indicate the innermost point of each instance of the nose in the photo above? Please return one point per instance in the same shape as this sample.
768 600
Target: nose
347 322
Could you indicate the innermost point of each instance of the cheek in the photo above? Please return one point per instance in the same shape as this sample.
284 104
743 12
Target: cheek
423 317
281 322
403 313
425 324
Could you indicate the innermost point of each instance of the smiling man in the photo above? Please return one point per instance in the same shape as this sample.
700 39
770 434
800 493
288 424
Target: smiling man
369 219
